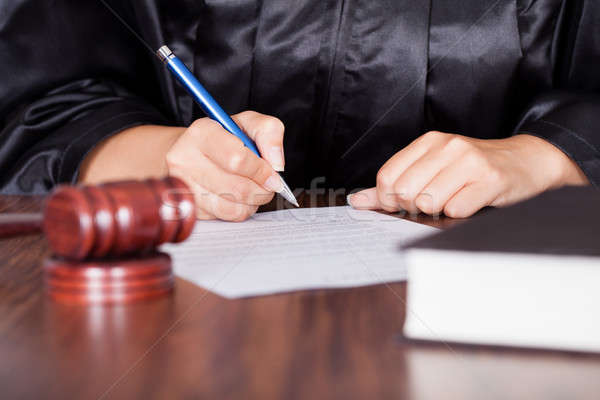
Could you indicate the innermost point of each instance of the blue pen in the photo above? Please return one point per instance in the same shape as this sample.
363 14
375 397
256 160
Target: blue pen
212 109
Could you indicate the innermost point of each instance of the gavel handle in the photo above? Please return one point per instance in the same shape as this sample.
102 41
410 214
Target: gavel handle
20 224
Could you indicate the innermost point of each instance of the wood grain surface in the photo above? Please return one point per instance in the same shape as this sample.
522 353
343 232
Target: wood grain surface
305 345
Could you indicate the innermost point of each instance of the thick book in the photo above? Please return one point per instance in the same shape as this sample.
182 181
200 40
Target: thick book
526 276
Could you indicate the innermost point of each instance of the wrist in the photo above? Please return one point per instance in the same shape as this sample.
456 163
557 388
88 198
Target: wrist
134 153
552 164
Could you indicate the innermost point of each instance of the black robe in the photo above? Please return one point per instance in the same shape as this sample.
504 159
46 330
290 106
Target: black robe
354 81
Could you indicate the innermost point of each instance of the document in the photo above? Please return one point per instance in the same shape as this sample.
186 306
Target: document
293 249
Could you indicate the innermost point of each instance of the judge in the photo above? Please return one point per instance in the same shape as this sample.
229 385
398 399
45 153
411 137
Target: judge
428 105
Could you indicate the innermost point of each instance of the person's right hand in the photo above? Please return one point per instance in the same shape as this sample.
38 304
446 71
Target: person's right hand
228 180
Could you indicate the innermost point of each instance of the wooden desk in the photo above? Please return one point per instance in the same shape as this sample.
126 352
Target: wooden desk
312 344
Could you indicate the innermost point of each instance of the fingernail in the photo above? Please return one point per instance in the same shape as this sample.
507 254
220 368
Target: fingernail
274 183
276 158
349 200
358 200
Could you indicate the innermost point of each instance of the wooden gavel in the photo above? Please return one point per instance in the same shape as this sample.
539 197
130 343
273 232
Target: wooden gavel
104 239
110 220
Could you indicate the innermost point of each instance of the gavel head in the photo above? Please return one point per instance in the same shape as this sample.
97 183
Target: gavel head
117 219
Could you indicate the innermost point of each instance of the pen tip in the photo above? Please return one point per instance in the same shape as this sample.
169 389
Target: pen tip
288 194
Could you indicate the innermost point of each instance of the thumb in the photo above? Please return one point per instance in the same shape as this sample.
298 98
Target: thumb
267 133
365 200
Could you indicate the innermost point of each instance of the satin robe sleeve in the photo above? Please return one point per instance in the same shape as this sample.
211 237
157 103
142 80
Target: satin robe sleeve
69 78
569 116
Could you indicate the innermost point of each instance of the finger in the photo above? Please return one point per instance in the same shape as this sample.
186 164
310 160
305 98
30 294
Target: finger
418 175
230 154
365 200
443 186
201 212
395 166
267 132
233 187
470 199
210 204
204 215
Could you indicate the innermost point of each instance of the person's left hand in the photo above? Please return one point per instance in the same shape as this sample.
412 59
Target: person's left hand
460 175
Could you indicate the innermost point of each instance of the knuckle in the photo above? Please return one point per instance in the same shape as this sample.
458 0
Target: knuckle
236 161
170 158
457 143
385 179
249 114
274 125
475 158
197 125
433 135
173 160
402 190
270 128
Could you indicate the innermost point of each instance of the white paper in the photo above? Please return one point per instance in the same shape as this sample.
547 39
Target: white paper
288 250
